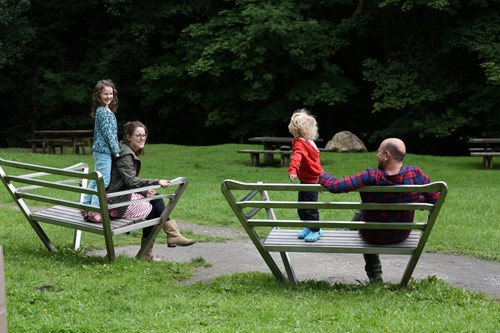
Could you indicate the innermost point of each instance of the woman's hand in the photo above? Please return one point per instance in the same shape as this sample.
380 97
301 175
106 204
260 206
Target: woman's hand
164 183
292 177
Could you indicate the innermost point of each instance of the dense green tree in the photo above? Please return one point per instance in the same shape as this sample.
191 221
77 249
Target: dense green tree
439 73
204 72
250 65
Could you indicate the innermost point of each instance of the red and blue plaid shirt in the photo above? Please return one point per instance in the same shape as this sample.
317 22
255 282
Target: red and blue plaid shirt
408 175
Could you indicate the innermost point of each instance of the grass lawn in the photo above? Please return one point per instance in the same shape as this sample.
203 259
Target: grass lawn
70 292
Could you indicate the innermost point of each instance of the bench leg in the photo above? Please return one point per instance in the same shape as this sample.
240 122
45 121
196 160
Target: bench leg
285 160
150 240
268 159
488 162
77 237
288 268
255 159
43 236
410 267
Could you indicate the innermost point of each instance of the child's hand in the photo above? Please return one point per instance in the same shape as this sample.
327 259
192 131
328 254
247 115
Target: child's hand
292 177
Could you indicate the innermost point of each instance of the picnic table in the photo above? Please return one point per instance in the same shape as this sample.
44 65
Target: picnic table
50 139
272 145
485 147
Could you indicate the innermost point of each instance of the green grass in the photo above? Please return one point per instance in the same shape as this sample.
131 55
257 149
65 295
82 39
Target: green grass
70 292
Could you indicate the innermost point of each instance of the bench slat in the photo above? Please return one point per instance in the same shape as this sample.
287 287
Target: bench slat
333 241
71 218
486 153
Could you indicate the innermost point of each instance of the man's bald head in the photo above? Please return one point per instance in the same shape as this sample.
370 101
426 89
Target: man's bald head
396 147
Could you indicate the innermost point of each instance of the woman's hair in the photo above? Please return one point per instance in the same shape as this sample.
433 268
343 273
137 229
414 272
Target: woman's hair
129 130
303 125
96 97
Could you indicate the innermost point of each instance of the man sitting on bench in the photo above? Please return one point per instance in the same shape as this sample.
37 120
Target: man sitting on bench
390 171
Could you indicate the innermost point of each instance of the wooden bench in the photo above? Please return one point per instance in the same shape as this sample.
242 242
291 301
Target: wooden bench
53 195
54 143
258 214
49 145
487 154
255 155
485 147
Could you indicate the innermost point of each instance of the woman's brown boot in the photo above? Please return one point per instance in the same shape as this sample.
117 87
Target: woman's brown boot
148 255
174 237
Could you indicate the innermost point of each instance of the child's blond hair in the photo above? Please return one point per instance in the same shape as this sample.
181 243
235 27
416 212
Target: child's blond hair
303 125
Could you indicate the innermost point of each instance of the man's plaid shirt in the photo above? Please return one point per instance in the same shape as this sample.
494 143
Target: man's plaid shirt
409 175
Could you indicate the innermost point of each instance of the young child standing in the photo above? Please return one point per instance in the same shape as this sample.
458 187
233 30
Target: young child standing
106 146
305 165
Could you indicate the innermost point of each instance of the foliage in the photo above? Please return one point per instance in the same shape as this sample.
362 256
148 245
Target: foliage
207 72
248 46
433 82
15 31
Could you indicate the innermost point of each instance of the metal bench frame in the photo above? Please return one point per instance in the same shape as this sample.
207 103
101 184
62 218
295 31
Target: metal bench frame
53 195
256 209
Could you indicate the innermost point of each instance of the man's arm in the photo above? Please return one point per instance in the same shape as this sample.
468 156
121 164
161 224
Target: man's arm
346 184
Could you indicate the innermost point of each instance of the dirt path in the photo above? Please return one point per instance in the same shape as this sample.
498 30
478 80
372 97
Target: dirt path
239 255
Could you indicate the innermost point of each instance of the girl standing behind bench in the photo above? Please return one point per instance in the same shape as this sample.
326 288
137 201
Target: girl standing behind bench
104 106
305 165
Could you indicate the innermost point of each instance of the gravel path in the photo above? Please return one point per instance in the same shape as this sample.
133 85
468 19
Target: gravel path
239 255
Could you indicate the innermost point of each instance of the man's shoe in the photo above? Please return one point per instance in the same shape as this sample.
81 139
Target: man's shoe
94 217
303 233
313 236
377 279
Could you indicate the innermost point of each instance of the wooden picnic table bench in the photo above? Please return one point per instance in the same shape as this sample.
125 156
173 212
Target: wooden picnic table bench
53 195
267 212
485 147
255 155
49 140
273 143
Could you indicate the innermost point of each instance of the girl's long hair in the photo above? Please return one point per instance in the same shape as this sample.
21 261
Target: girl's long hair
96 97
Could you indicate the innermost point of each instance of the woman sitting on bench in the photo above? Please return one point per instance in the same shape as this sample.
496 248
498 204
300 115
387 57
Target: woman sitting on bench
125 176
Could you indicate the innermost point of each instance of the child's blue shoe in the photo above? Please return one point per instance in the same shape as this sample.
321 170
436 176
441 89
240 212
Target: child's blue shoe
313 236
304 233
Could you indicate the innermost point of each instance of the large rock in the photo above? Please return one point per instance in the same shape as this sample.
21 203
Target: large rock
345 141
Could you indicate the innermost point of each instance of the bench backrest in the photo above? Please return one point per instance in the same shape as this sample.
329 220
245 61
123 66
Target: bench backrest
50 185
255 198
66 187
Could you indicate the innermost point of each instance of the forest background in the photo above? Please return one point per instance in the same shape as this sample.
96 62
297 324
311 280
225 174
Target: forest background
205 72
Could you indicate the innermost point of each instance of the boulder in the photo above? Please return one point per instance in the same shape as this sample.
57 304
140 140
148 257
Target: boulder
346 141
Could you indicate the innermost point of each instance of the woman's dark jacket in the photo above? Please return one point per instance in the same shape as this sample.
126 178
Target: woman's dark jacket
125 176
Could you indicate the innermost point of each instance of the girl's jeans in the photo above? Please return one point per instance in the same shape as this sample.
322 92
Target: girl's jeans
103 165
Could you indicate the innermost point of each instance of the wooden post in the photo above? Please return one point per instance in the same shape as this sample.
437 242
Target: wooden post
3 303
